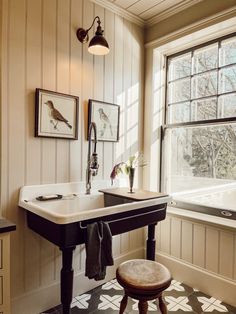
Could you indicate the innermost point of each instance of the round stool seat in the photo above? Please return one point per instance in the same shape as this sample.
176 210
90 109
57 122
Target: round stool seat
143 275
143 280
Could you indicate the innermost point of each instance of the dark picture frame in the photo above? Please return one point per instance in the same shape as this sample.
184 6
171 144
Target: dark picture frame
56 115
107 118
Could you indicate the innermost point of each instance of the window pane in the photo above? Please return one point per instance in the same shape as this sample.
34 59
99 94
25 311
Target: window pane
179 113
228 51
205 58
204 109
179 91
227 106
204 85
200 156
227 79
179 67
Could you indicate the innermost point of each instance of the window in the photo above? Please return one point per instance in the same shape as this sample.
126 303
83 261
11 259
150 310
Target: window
200 123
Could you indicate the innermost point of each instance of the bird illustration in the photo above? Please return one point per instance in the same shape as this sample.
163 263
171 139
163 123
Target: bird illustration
56 115
105 120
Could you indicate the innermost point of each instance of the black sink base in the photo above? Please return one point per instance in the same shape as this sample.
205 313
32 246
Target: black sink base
67 236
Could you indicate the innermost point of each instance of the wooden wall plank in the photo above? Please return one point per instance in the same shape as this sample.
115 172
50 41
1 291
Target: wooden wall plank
63 75
76 62
175 237
33 145
212 249
49 21
165 235
16 135
49 26
226 254
98 86
187 241
76 65
108 88
199 245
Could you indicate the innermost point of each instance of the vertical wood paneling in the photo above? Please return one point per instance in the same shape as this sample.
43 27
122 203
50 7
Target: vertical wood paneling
118 83
39 44
16 133
187 241
234 256
98 86
165 235
76 62
49 26
33 149
226 254
63 62
175 237
48 48
212 249
199 245
108 88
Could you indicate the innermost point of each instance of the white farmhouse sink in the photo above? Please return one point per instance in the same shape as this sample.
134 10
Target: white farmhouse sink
75 205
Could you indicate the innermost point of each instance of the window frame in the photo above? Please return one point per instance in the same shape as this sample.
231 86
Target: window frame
207 122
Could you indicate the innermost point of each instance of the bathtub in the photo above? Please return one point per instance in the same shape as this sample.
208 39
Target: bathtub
218 201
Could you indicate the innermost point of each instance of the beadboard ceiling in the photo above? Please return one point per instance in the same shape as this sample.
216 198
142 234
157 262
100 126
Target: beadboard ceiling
147 12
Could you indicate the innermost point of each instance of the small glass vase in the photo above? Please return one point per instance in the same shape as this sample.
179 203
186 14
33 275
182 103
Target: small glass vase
131 179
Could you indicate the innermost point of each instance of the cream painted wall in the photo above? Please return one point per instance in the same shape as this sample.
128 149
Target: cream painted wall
184 18
40 49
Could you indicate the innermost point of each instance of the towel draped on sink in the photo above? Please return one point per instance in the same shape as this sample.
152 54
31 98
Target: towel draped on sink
98 246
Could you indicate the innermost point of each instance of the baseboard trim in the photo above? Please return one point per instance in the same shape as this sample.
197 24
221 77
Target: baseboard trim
210 283
37 301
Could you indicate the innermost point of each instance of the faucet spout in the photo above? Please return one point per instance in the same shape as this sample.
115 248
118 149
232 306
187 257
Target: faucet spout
92 159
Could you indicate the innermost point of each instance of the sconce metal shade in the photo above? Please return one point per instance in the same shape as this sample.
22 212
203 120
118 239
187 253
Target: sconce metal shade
98 44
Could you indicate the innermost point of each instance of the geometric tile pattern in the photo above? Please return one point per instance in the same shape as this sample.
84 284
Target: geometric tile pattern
179 298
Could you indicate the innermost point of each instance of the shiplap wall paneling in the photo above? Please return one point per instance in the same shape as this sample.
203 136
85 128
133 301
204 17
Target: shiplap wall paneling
118 84
48 81
76 74
15 132
48 146
32 65
165 234
187 241
98 88
39 44
212 249
176 235
108 87
75 81
226 254
234 256
199 243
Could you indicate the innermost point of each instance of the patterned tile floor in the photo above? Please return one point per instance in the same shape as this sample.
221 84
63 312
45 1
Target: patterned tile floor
179 298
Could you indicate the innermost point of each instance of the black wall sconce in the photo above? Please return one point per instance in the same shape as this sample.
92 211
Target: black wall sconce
98 44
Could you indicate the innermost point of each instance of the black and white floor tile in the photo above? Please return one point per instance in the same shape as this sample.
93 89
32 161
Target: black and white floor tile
179 298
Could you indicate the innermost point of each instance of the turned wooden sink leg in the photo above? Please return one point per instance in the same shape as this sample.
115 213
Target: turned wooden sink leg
151 242
67 274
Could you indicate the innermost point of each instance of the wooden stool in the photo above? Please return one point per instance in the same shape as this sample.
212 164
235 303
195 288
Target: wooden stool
143 280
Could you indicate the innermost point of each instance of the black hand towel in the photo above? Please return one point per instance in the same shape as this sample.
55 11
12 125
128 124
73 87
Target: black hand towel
98 250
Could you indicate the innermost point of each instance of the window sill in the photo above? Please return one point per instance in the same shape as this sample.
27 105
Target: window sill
202 218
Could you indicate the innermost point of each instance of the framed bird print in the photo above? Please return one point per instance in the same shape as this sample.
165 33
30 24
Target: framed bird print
56 115
107 118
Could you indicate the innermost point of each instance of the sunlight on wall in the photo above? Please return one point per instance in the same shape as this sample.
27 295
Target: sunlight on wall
129 123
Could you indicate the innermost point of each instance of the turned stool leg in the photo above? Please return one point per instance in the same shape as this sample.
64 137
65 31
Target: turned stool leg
162 305
123 304
143 307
